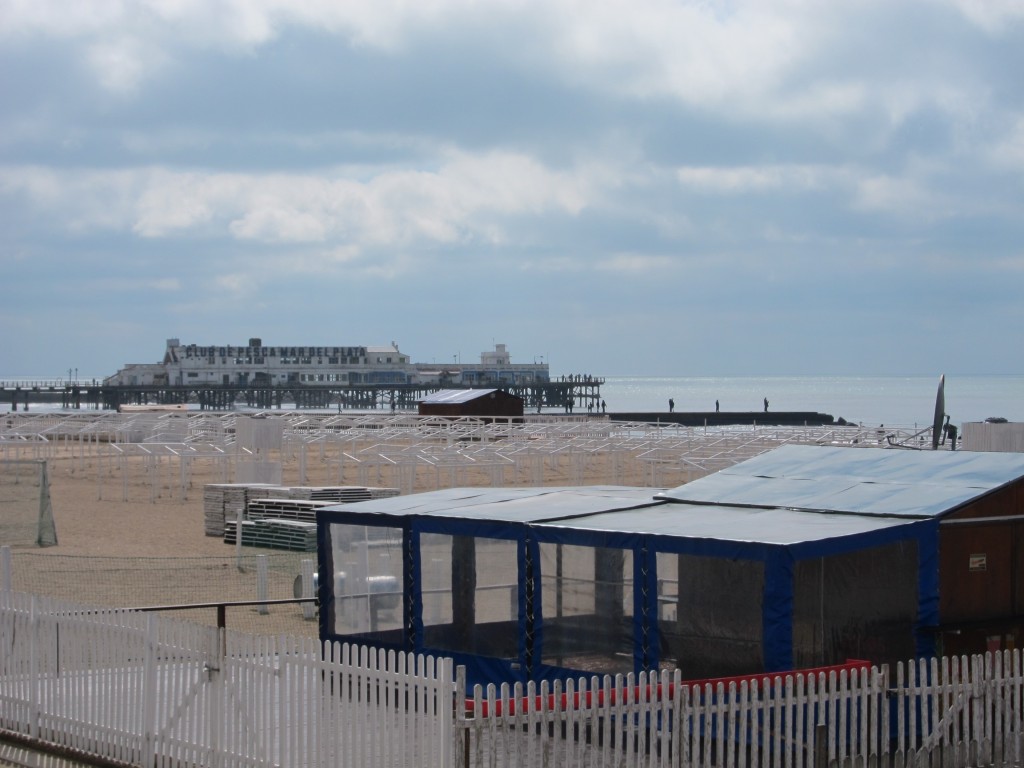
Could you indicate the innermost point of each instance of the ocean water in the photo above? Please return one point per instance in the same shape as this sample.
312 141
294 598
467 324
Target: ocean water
868 400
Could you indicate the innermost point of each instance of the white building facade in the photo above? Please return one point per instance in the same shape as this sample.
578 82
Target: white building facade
257 365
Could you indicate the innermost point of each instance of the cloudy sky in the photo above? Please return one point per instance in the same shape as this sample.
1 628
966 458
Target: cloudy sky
641 187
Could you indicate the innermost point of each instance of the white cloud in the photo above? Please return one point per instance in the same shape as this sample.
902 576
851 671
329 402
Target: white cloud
41 186
237 285
636 264
121 65
713 144
231 25
693 51
134 285
467 197
743 60
895 196
174 202
749 179
511 183
1007 153
996 17
271 224
915 192
555 264
169 284
56 18
80 200
734 57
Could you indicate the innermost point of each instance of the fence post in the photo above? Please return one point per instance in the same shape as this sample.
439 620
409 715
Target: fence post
308 609
444 692
215 675
238 537
460 732
149 694
5 569
820 746
261 583
880 676
33 669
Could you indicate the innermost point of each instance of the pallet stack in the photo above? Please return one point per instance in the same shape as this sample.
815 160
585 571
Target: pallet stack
223 501
302 510
340 494
273 533
276 517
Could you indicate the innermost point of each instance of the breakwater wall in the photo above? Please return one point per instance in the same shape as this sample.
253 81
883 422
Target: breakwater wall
726 418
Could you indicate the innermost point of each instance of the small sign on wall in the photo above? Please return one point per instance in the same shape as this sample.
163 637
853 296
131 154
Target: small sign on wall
977 563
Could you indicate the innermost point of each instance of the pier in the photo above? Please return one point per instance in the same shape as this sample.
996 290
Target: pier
571 393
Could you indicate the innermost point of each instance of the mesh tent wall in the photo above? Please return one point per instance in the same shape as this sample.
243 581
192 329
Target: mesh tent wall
467 576
724 591
521 584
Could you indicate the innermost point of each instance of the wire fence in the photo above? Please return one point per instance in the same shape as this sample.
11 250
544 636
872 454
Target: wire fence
145 582
123 461
151 457
26 515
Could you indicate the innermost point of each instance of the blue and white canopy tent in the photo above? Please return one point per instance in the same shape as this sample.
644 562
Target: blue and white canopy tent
804 556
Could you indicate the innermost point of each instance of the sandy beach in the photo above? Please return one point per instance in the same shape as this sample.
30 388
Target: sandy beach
128 494
130 519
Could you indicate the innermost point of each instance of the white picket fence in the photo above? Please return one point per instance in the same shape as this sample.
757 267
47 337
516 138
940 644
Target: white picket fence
144 690
949 712
140 689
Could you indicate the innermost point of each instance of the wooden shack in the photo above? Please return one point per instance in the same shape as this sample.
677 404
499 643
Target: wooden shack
487 403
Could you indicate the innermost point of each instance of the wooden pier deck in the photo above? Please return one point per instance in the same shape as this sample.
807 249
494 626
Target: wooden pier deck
22 395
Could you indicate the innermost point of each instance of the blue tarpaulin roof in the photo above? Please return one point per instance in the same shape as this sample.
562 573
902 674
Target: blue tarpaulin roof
862 481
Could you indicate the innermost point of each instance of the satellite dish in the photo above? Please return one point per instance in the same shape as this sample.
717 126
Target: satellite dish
940 412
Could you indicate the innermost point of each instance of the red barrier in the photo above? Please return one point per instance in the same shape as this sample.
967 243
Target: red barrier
650 693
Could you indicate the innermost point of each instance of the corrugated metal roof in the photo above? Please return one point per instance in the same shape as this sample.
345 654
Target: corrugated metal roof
457 395
510 505
865 481
792 495
733 524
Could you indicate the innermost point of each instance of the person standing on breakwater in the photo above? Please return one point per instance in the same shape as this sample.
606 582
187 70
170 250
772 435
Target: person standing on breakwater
716 406
766 405
671 405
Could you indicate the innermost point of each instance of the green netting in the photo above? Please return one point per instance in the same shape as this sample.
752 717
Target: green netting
26 515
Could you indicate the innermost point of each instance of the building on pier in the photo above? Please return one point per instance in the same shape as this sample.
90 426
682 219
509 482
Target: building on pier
254 364
259 376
